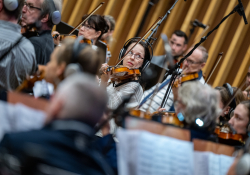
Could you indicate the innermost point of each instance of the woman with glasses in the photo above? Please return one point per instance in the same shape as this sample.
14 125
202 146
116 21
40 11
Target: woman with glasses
135 59
93 28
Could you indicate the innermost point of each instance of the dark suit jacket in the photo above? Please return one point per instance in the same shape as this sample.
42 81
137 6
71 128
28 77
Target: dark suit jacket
62 144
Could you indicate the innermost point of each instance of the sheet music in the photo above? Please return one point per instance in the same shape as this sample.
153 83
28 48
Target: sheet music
208 163
144 153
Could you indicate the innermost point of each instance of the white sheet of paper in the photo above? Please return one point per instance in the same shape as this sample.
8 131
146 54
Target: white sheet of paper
144 153
208 163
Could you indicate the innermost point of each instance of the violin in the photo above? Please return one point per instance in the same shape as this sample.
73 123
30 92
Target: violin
225 132
140 114
165 117
29 83
186 77
29 31
63 36
121 73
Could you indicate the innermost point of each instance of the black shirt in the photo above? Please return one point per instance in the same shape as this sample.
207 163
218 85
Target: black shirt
44 46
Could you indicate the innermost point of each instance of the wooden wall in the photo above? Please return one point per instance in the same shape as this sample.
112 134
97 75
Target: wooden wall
232 37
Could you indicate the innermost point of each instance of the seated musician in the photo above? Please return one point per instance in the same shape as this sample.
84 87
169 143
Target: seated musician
226 93
88 58
17 55
246 92
135 59
241 119
41 12
199 105
193 64
92 29
178 44
65 143
107 37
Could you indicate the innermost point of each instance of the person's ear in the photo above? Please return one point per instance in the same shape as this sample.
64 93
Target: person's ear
60 69
98 34
111 33
45 18
53 109
202 65
184 47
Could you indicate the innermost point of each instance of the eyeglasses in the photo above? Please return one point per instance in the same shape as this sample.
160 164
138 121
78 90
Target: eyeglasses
30 6
191 62
88 27
136 56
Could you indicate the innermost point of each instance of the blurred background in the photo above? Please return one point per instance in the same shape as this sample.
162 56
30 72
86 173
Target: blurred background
134 17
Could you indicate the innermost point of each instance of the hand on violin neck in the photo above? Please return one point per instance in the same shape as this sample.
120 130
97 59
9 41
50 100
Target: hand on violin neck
161 109
56 37
105 76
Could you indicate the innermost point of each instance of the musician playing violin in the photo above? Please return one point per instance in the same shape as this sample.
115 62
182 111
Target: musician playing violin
246 92
198 105
193 64
107 37
38 12
60 65
135 59
240 120
93 28
178 44
17 55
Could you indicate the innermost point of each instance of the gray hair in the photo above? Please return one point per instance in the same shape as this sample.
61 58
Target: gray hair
82 98
111 20
204 53
201 101
47 9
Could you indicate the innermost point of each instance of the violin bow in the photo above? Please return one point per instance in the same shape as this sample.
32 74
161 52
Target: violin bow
148 31
220 54
234 94
86 18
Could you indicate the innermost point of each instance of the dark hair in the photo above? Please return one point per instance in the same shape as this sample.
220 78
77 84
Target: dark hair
98 23
48 9
180 33
239 97
225 97
16 13
144 45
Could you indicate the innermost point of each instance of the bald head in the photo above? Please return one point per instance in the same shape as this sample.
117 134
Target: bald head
79 97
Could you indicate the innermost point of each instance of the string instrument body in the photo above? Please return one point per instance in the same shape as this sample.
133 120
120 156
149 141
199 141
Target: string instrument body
29 83
162 117
29 31
225 132
63 36
121 73
186 77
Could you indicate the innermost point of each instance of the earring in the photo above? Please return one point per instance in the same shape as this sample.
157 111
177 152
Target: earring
225 113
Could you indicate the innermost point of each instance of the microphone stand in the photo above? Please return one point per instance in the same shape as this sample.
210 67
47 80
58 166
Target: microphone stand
150 37
237 8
